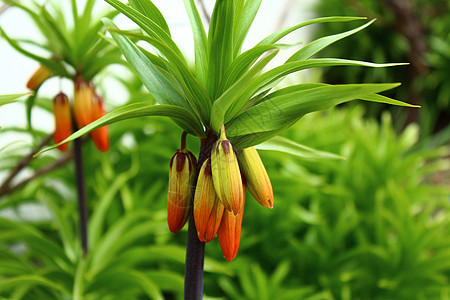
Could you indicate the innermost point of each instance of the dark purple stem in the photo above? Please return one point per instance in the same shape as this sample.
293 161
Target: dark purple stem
81 189
195 250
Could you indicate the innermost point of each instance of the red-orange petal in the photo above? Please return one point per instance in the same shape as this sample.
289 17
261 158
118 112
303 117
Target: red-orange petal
41 74
83 100
181 176
63 120
229 233
100 135
208 209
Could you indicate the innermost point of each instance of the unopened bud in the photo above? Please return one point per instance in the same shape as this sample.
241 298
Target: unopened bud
226 174
99 135
83 100
181 179
63 120
229 233
41 74
208 209
258 182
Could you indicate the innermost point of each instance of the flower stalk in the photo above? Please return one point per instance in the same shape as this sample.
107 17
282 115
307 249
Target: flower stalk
195 250
81 190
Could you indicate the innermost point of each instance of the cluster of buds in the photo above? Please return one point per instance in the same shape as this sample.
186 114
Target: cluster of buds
220 193
88 107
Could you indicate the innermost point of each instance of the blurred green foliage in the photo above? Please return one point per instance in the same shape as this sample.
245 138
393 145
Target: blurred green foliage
431 85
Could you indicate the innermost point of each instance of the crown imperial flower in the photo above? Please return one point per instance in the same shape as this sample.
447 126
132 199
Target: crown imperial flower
258 182
181 179
41 74
100 135
226 174
63 120
208 209
83 100
229 233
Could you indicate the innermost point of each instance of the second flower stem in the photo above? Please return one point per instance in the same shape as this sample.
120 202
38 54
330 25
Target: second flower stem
81 190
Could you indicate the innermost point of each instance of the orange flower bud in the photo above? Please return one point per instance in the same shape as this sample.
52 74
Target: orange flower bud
63 120
208 209
229 233
226 174
99 135
258 182
83 100
181 179
41 74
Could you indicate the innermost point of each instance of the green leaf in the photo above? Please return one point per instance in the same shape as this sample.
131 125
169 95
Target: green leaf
245 20
125 279
319 44
304 86
62 224
278 111
148 25
87 14
14 231
272 77
32 280
200 42
97 219
148 9
10 98
78 284
282 144
220 44
60 43
167 280
34 16
154 80
125 232
56 67
276 36
242 63
196 95
135 110
232 95
93 40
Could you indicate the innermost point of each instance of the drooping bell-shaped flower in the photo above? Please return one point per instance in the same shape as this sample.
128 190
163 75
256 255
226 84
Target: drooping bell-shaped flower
258 182
181 180
208 209
99 135
226 174
229 233
83 100
63 120
41 74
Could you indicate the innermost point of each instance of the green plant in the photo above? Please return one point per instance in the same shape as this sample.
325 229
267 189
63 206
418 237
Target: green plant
228 89
73 50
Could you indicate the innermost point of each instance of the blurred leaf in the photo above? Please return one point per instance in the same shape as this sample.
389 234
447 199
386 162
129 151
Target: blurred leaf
6 99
